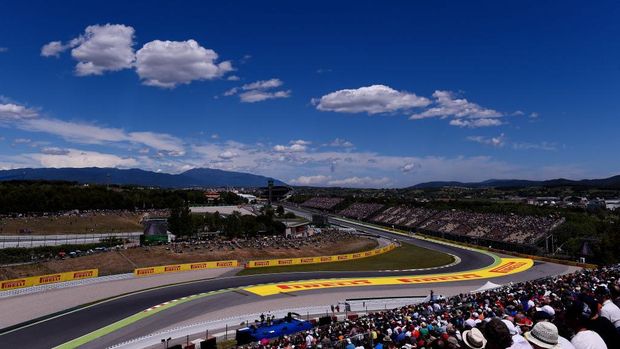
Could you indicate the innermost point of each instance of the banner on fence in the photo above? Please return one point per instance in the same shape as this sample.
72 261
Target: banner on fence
48 279
320 259
173 268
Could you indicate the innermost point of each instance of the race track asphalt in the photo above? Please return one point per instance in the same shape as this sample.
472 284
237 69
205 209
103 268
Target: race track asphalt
56 330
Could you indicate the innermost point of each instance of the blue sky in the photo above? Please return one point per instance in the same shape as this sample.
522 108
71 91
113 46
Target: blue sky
364 94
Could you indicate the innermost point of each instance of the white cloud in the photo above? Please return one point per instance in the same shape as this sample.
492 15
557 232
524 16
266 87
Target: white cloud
158 63
340 143
300 141
227 155
497 141
535 146
373 99
294 146
259 91
245 58
534 115
474 123
53 48
310 180
3 49
28 119
160 141
170 63
290 148
104 48
462 112
233 91
409 167
447 105
263 84
233 78
359 182
14 112
260 95
82 158
22 140
101 48
54 151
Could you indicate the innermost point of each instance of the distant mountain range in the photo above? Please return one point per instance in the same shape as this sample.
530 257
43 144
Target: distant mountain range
198 177
611 182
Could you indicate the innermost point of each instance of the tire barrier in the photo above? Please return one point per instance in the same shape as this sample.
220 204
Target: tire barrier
320 259
48 279
175 268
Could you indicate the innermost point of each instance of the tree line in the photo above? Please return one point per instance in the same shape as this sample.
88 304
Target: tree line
183 223
20 197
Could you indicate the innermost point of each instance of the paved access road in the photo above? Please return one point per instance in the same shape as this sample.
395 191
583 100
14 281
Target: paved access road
56 330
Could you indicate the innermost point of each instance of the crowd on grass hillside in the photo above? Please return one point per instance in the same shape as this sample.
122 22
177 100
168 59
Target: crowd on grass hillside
578 310
92 213
327 237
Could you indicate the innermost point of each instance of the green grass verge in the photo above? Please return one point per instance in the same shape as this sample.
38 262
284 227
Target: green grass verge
226 344
405 257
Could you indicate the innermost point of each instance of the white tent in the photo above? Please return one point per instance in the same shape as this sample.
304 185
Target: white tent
487 286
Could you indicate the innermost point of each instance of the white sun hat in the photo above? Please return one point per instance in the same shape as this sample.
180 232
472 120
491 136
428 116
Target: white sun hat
544 334
474 339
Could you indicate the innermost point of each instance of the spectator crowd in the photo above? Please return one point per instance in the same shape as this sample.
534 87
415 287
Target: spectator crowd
500 227
573 311
361 210
492 226
404 216
322 203
214 242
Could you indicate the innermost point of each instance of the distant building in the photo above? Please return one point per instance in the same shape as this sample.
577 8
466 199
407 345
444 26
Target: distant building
156 232
251 198
212 196
296 228
612 204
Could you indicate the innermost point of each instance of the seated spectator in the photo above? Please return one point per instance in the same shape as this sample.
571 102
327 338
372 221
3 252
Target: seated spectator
543 335
474 339
578 317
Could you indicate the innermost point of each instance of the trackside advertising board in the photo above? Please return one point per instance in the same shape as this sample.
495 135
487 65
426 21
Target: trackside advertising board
48 279
173 268
321 259
507 266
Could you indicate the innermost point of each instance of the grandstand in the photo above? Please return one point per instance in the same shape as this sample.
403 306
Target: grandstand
360 210
505 228
409 217
499 227
322 203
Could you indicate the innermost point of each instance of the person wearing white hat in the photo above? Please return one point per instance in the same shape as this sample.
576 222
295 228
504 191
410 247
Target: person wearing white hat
474 339
544 335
